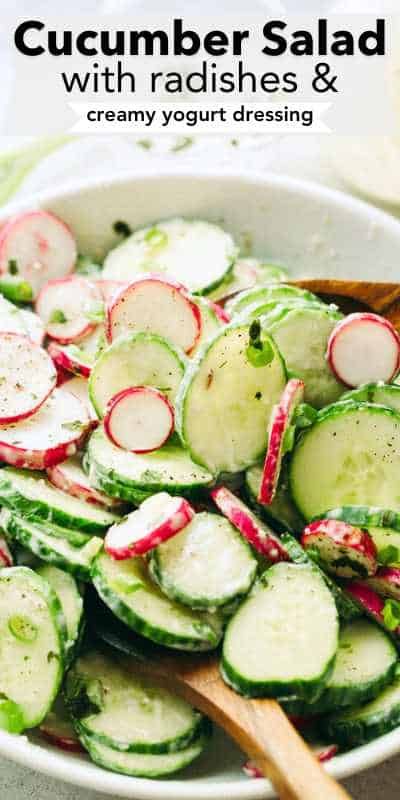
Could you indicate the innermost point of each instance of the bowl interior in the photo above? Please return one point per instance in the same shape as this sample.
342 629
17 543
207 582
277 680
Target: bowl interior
313 231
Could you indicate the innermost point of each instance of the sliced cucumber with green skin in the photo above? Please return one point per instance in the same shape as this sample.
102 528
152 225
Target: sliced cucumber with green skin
126 589
210 324
141 359
32 495
198 254
183 569
170 469
70 597
283 639
302 334
107 629
366 516
384 394
112 705
117 490
32 631
346 608
275 309
365 664
142 765
279 293
248 272
33 536
223 421
350 456
357 726
282 512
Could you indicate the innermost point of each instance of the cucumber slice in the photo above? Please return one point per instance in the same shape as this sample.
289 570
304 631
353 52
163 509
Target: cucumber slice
170 469
384 394
57 728
302 335
32 631
32 495
260 295
210 324
141 359
366 516
223 421
110 704
346 608
350 456
365 664
67 591
125 588
274 310
183 569
282 512
356 726
76 560
142 765
283 639
198 254
107 629
116 490
246 273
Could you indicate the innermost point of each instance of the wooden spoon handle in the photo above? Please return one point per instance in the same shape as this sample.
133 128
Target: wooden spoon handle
260 727
382 298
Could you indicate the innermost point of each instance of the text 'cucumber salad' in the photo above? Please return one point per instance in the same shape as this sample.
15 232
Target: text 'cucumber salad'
196 455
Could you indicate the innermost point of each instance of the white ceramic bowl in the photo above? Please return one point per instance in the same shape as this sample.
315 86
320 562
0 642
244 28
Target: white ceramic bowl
315 232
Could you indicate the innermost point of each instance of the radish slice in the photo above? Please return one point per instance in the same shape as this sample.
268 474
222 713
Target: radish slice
281 420
158 519
364 348
79 388
55 432
256 532
386 582
27 377
344 550
109 289
139 419
369 601
6 559
220 312
323 752
58 730
33 325
155 305
65 306
11 320
78 359
39 245
70 478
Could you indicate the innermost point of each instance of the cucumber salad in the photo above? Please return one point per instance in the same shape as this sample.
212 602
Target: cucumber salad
197 455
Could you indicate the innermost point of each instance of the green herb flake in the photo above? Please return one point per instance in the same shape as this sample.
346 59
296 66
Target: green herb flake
22 628
76 425
145 144
259 351
122 228
182 144
57 317
391 614
96 313
13 266
389 555
156 237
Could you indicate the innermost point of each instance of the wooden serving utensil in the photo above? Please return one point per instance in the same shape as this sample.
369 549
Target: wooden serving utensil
260 727
381 298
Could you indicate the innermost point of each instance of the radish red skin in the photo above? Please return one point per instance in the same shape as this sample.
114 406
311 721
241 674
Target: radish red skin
6 559
347 537
282 414
245 521
386 582
220 312
27 343
40 459
63 361
322 752
76 280
369 600
62 742
166 530
90 495
125 394
118 298
356 319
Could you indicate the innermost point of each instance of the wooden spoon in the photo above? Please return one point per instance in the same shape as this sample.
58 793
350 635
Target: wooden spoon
381 298
260 727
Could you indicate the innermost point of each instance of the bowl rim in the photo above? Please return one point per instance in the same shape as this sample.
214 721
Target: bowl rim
57 764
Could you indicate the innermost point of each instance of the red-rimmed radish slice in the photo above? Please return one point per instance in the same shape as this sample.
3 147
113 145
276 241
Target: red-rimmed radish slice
157 519
27 377
255 531
323 752
33 325
68 358
281 420
6 559
109 289
364 348
220 312
155 305
39 245
71 478
65 307
57 729
53 434
345 551
386 582
139 419
78 386
369 601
